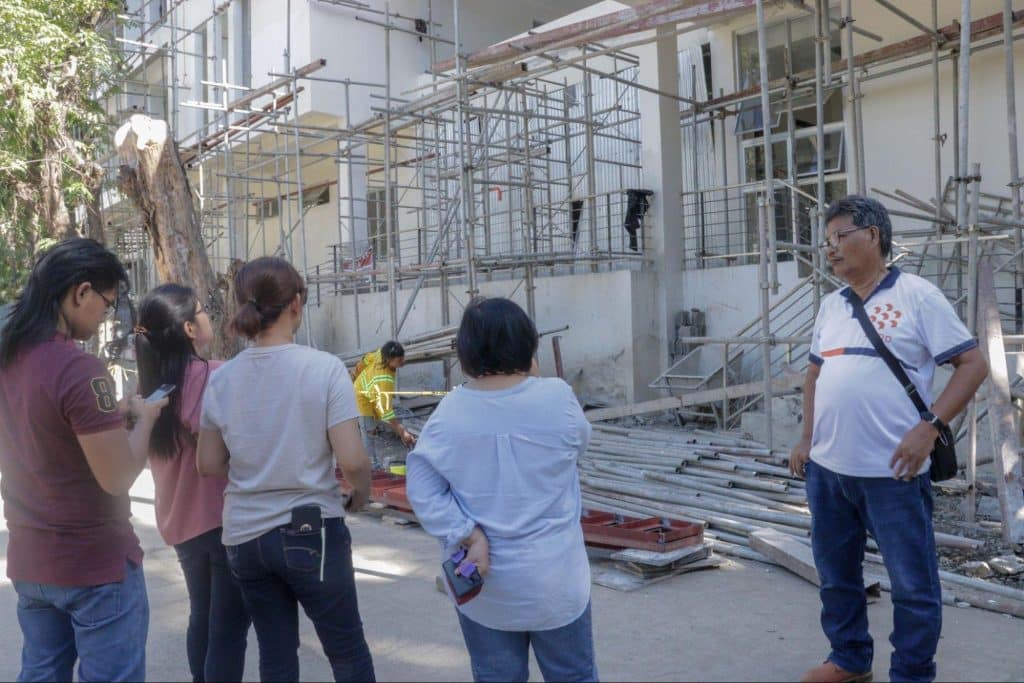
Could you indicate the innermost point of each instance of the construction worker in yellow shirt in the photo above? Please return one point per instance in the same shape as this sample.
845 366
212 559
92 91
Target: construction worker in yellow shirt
375 387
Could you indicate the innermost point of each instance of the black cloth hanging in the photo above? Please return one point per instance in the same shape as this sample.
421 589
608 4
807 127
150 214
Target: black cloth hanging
574 216
636 208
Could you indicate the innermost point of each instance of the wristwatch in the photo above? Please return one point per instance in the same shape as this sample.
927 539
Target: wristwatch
933 419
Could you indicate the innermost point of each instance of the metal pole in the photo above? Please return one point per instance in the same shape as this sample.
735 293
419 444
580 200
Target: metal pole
299 194
288 38
936 130
588 130
972 325
173 52
529 218
1011 128
388 223
466 201
766 349
769 170
963 106
352 220
818 230
698 195
851 98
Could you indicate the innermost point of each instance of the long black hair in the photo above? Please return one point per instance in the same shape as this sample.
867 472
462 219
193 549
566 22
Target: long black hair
34 316
163 352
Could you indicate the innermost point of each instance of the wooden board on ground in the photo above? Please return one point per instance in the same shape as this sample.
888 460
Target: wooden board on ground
663 559
609 575
787 383
787 551
1002 415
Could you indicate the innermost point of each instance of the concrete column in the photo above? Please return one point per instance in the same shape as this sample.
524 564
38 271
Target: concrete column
658 294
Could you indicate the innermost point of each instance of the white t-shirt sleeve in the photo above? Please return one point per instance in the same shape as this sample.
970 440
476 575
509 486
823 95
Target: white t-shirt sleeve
209 416
940 328
341 397
815 353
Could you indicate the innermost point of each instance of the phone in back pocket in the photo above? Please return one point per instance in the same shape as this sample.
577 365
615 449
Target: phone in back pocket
306 519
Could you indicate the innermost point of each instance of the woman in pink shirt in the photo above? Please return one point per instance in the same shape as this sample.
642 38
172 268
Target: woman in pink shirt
174 333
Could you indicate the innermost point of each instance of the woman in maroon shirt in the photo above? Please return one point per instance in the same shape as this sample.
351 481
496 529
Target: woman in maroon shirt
67 463
173 336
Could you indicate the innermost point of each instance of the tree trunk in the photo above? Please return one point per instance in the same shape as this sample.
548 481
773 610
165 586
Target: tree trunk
94 216
151 174
55 221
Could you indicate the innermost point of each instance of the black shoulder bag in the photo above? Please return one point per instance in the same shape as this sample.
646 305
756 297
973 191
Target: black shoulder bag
944 465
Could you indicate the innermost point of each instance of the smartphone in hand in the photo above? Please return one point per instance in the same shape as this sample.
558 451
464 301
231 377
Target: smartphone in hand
161 391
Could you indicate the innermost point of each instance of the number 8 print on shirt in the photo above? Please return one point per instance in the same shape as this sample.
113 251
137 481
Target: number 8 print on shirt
106 402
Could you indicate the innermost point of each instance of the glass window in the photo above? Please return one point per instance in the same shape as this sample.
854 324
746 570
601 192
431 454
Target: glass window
805 154
800 32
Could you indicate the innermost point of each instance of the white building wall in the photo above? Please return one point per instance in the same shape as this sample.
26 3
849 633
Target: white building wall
604 311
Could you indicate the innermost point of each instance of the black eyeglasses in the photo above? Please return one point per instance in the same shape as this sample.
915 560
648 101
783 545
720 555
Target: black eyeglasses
111 305
836 239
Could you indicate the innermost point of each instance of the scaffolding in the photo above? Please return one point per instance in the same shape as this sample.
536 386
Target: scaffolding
543 135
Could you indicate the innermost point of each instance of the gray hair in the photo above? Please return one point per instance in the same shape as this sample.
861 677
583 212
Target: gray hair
864 212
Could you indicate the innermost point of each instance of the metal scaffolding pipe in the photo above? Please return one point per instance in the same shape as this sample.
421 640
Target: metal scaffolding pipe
972 325
1015 183
769 166
963 109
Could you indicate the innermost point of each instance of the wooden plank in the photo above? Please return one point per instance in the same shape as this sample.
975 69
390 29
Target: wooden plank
1002 415
610 576
785 550
662 559
797 557
783 384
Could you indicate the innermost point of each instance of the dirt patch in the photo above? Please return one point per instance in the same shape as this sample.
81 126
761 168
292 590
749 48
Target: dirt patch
949 517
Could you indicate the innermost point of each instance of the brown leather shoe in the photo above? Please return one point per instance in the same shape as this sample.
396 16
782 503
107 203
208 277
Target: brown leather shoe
828 672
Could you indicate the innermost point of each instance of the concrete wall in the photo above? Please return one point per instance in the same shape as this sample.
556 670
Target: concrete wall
607 314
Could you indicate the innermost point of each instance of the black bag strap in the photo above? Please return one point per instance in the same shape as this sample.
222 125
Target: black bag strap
894 365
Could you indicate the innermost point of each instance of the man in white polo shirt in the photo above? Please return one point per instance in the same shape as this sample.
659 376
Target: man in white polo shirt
865 447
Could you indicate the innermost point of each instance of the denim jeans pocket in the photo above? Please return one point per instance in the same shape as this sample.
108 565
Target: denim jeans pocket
97 604
302 550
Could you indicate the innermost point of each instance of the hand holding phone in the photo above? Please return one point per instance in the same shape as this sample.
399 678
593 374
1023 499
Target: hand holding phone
162 391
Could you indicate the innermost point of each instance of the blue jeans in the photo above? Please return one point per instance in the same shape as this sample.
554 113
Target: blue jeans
104 627
282 569
218 624
368 424
563 654
899 516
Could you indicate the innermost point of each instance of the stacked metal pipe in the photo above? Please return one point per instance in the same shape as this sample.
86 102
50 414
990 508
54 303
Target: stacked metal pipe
735 486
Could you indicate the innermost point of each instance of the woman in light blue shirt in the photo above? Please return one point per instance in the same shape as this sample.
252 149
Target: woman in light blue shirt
494 470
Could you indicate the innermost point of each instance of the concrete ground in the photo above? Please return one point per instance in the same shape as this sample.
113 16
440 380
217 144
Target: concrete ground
746 621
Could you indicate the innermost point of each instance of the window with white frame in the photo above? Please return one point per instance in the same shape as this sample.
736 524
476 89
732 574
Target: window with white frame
790 50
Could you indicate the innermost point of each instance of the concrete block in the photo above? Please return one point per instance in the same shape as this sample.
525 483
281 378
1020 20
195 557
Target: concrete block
1007 565
979 570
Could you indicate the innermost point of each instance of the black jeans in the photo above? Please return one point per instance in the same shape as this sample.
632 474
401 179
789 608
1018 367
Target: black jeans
218 623
282 569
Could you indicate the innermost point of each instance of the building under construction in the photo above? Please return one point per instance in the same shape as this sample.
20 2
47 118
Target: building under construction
652 175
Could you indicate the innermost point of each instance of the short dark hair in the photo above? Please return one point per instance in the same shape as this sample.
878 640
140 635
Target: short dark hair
495 337
864 212
390 350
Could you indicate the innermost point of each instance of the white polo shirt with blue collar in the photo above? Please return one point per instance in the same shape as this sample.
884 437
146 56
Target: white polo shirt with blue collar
861 412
